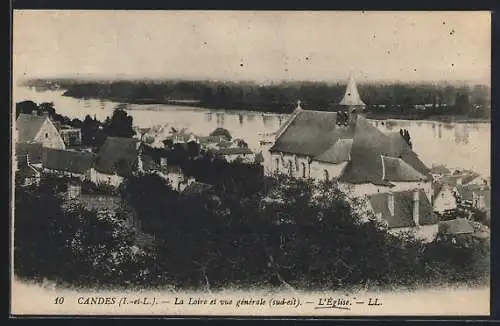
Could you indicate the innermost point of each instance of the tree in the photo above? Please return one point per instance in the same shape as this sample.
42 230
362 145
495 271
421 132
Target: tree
120 124
26 107
69 244
48 107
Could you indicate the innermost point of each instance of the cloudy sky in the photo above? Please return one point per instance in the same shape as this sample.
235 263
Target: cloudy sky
258 46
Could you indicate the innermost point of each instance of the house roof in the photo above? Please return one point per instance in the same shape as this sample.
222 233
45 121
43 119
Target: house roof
440 169
338 153
369 146
69 161
117 155
196 188
311 133
28 126
466 192
395 169
211 139
316 134
403 209
34 150
456 226
468 177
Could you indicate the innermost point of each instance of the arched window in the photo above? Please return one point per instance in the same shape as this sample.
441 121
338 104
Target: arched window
327 176
303 170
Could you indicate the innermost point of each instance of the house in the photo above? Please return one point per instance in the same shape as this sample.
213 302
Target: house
347 147
444 197
477 196
180 137
232 154
71 136
403 211
68 163
117 158
31 128
438 171
461 230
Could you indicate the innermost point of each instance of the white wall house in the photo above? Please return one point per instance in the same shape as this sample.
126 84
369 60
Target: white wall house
38 128
406 211
444 198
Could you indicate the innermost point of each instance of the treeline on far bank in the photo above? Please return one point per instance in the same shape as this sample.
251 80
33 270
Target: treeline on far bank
397 98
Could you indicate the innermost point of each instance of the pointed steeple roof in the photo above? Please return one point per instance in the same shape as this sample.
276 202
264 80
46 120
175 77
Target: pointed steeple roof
351 96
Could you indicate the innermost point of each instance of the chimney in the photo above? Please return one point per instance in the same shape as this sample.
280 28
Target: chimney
416 206
390 203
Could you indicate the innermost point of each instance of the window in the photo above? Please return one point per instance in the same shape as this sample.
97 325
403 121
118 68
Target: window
303 170
327 177
277 165
290 168
46 135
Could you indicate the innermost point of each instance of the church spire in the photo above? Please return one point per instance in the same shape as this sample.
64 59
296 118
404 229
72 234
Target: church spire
351 96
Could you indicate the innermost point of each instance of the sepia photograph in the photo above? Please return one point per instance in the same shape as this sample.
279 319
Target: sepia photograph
250 163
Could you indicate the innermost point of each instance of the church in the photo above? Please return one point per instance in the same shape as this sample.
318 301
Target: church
344 146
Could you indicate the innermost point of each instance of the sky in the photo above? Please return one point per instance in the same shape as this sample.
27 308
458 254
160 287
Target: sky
257 46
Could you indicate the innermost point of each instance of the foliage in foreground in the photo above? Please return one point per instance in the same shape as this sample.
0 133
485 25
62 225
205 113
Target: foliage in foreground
293 233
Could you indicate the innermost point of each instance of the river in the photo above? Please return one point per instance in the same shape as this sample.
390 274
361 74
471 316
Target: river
457 145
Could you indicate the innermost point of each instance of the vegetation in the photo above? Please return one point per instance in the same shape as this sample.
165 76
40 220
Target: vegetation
290 233
71 245
390 99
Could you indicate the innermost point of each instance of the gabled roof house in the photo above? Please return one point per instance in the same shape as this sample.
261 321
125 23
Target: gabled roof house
36 128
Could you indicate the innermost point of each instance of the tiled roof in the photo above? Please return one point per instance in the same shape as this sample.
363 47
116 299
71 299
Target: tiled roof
311 133
403 209
317 135
456 226
368 146
117 155
395 169
69 161
232 151
440 169
34 150
28 126
338 153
